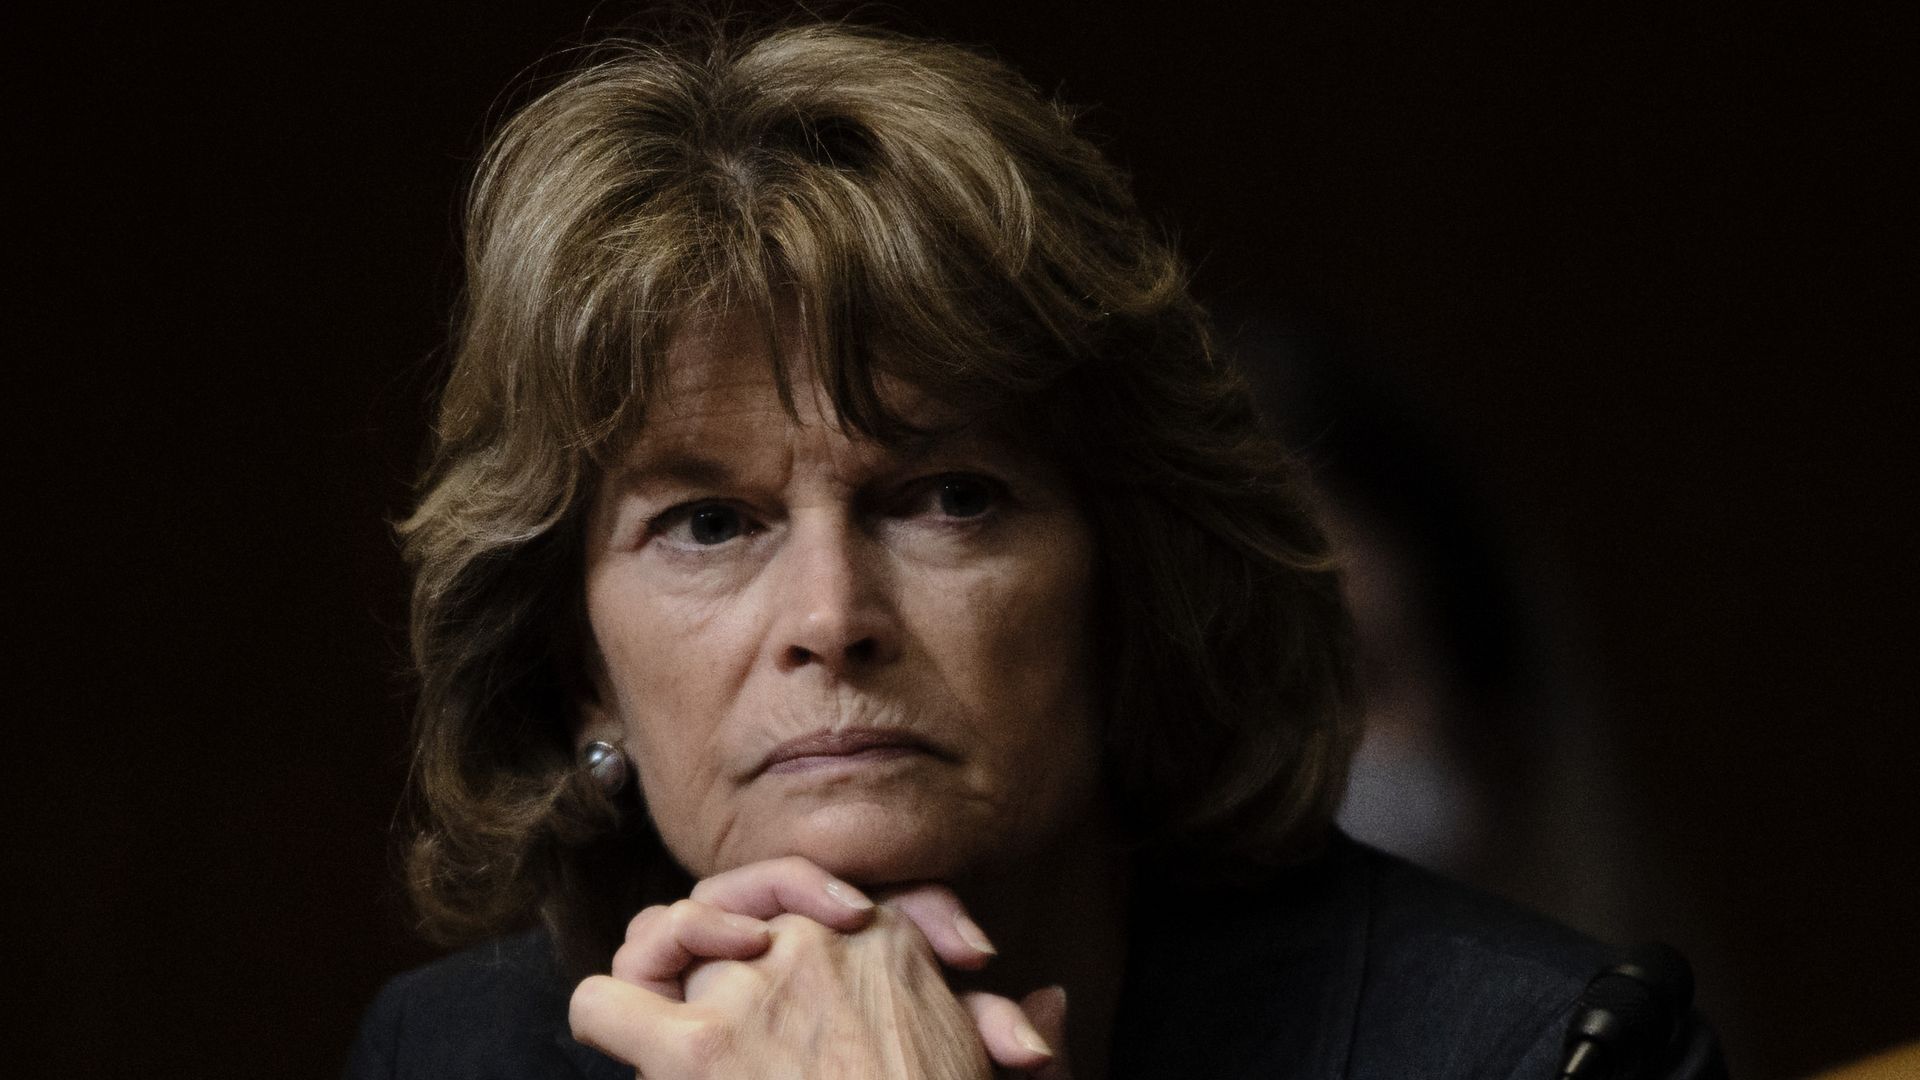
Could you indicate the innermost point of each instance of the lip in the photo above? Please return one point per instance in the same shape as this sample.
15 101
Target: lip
851 746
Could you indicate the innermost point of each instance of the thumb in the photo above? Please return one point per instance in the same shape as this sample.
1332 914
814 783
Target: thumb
1046 1009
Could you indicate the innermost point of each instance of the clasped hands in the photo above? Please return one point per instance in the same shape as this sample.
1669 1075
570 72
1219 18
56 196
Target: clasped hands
778 970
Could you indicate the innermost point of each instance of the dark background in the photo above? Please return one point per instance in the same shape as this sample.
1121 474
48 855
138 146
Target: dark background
1638 265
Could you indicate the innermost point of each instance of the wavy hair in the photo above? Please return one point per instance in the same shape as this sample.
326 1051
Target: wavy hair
932 219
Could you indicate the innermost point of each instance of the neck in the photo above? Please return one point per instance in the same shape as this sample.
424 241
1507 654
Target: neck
1060 918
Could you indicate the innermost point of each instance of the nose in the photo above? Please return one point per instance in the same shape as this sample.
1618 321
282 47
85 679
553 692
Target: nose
833 609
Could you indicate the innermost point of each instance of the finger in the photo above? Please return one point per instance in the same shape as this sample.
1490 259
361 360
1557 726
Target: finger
956 939
628 1023
663 941
1011 1039
790 885
1047 1009
713 982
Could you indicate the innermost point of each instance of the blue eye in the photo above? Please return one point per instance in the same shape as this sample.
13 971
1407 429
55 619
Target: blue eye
965 496
713 524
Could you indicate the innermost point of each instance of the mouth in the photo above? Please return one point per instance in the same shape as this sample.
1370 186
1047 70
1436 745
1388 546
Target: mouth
841 749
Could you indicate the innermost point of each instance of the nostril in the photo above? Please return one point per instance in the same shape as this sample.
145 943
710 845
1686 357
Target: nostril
861 653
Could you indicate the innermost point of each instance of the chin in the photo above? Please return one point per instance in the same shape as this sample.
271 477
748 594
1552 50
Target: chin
875 844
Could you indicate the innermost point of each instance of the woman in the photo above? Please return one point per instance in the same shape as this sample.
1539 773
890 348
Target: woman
838 503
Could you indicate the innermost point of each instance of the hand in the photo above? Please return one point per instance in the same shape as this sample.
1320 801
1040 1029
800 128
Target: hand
723 921
870 1005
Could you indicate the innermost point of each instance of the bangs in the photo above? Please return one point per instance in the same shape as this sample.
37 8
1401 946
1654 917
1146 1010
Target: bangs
875 236
892 215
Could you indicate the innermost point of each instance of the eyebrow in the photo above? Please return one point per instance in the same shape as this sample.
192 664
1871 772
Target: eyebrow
672 467
678 466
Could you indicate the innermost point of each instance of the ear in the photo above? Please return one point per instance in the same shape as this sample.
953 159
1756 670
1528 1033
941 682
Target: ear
594 722
593 719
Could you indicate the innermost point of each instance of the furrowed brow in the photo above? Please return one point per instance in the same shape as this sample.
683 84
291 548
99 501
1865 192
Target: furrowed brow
932 441
673 468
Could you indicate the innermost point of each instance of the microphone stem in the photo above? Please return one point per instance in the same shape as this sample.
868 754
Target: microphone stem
1584 1053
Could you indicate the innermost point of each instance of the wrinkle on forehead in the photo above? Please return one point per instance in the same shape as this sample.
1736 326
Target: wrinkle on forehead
716 377
855 394
712 440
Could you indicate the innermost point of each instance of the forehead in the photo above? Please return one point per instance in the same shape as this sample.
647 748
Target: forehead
721 366
724 381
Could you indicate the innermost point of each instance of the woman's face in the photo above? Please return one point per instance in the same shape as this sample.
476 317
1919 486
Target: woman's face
877 658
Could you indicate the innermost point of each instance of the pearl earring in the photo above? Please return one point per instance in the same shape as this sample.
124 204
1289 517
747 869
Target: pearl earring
606 764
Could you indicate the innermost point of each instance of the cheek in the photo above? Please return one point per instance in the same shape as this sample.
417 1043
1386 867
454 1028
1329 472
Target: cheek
670 670
670 694
1030 680
1016 642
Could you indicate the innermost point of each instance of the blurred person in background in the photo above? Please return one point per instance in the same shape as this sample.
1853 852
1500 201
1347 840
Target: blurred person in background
1482 756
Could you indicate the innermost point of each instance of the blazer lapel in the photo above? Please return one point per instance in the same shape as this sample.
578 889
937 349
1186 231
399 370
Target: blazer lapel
1261 981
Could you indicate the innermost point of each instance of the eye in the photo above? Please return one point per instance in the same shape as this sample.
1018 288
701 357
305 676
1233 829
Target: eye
702 524
960 496
965 496
715 524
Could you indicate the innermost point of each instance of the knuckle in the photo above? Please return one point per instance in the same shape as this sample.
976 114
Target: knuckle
639 924
681 913
792 928
796 865
590 1003
625 960
788 924
706 1044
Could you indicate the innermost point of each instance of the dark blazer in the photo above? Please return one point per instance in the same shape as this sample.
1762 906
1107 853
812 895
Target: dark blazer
1355 965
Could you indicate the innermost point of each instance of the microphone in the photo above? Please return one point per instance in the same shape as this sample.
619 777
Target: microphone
1629 1016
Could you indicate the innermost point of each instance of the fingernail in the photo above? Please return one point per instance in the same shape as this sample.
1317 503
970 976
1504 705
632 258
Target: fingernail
848 895
971 933
1026 1036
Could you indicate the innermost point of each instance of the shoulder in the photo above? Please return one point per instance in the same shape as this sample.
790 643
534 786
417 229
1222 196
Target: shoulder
495 1010
1355 964
1460 982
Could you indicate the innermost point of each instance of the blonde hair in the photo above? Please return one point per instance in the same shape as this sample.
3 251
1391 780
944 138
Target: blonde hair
932 219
